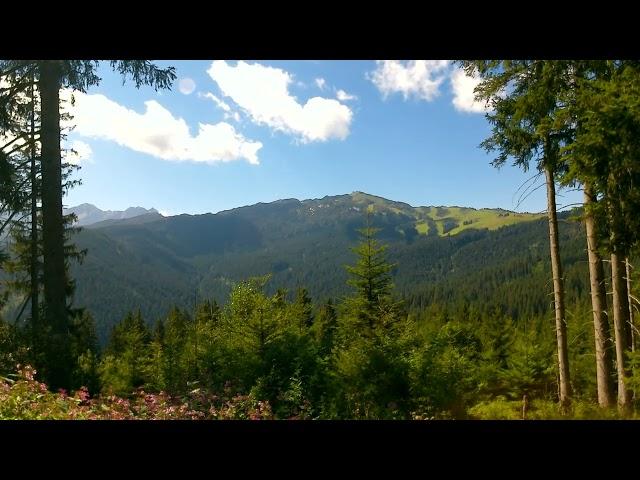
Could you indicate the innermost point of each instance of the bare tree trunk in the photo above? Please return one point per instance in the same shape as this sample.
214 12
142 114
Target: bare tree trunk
631 324
604 360
621 325
632 327
35 290
558 292
525 406
57 361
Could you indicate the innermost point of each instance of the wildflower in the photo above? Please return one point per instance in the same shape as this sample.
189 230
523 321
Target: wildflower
27 372
83 394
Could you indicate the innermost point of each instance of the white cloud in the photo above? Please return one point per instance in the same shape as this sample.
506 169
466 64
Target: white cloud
344 96
157 132
228 113
220 103
463 95
417 78
78 152
186 85
263 93
321 83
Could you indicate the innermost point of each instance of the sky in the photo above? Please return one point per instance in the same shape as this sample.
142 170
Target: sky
235 133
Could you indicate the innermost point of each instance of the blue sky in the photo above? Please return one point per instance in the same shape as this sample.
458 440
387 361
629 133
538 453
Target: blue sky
231 133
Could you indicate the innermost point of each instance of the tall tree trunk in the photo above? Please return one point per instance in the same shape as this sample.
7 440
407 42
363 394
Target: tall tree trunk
35 290
621 326
632 327
52 226
630 297
604 360
558 292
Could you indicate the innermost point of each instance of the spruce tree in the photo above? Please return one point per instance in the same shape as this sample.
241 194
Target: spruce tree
604 154
305 309
371 308
571 117
174 349
523 96
51 76
128 359
324 327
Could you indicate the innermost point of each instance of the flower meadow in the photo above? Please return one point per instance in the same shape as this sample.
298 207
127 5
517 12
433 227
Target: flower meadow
22 397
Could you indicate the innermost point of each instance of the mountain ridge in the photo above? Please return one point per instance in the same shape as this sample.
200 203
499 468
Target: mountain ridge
89 214
366 195
284 200
153 262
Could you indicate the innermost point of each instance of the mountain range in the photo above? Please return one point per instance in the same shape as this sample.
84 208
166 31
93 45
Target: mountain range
88 214
442 254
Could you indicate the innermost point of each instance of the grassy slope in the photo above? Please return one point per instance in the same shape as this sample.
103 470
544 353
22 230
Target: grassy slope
491 219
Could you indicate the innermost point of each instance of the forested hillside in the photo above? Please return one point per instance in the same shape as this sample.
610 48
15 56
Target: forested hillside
153 263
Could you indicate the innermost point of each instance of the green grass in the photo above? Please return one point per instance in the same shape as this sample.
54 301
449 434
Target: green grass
502 409
422 227
490 219
476 219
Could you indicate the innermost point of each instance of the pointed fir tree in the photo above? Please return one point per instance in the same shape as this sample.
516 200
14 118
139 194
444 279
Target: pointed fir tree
304 310
371 307
324 327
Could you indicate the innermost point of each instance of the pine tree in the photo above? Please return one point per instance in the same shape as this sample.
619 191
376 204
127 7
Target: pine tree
604 154
579 71
371 307
604 360
208 312
174 350
16 105
84 350
324 327
19 127
127 362
523 96
304 306
51 76
370 371
253 320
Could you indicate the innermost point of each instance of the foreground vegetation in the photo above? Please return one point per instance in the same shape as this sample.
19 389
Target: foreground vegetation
279 356
24 398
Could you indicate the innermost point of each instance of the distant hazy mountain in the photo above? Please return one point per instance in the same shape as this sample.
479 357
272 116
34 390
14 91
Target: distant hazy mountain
152 262
89 214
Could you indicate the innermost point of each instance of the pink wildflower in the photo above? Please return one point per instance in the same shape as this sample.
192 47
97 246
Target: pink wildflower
83 394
